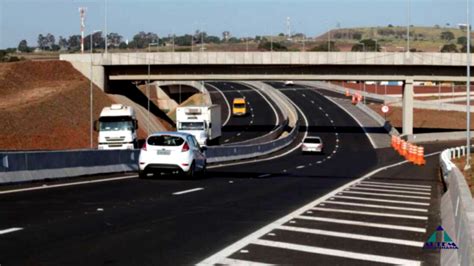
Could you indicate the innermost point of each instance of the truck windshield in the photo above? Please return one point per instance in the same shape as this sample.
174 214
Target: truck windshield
115 124
191 126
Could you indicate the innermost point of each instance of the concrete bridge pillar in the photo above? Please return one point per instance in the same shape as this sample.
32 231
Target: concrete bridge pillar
407 117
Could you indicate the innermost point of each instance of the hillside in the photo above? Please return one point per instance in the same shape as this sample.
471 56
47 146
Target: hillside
393 38
45 106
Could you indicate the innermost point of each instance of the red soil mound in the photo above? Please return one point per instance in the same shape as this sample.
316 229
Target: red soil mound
44 105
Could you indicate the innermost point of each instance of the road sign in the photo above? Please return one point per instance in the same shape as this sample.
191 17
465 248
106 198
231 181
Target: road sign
385 109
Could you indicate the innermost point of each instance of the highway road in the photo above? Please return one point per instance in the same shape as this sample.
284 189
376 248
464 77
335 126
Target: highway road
262 117
170 221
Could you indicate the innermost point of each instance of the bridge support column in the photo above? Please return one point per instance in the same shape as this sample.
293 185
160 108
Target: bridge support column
98 73
407 106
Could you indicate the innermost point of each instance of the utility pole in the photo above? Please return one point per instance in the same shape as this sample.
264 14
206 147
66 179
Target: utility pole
105 27
408 27
467 167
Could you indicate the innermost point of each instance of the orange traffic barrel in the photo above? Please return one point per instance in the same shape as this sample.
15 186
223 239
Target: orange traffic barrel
420 156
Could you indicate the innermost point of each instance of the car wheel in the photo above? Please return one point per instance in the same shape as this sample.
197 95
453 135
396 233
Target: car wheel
204 169
142 174
191 171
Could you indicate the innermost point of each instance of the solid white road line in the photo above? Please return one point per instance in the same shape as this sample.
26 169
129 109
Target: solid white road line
264 175
226 101
361 223
335 252
397 184
187 191
229 250
236 262
10 230
68 184
376 206
300 167
384 200
395 241
393 215
386 195
390 190
394 187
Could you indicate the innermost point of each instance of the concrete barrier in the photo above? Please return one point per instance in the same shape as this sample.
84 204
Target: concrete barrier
31 166
457 211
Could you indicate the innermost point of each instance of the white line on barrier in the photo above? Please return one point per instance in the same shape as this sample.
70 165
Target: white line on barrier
188 191
395 241
361 223
68 184
385 195
383 200
414 217
377 206
335 252
10 230
390 190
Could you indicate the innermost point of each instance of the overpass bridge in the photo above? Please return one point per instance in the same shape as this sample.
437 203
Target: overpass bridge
324 66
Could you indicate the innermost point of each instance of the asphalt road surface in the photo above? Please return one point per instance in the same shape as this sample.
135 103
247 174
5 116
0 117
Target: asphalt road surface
261 117
171 221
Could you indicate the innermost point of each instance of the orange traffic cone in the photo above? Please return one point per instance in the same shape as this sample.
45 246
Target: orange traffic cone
398 144
411 153
393 141
347 93
403 150
354 100
420 156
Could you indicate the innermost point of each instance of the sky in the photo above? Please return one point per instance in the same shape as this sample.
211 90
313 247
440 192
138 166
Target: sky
25 19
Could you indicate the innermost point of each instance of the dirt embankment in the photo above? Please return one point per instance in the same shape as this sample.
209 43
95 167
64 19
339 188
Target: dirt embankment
44 105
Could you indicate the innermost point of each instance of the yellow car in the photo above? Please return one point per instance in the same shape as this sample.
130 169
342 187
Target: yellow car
239 107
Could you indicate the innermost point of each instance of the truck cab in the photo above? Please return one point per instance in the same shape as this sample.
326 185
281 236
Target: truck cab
239 107
117 127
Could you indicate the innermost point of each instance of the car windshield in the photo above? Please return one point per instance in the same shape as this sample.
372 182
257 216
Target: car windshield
165 140
191 126
239 105
116 125
312 140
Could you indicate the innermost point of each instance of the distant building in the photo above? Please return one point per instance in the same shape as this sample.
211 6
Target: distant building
226 36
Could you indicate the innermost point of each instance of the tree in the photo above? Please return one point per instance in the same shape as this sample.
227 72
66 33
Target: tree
357 35
142 39
366 45
268 46
212 39
63 43
123 46
74 42
462 40
23 46
449 48
323 47
464 49
447 35
114 39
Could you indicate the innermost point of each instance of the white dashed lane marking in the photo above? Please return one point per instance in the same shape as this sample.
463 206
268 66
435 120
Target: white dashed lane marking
187 191
10 230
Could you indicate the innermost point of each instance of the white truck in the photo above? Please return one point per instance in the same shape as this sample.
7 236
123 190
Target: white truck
204 122
117 127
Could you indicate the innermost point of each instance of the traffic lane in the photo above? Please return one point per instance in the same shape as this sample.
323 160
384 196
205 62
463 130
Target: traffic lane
354 154
234 126
263 118
256 123
217 97
134 233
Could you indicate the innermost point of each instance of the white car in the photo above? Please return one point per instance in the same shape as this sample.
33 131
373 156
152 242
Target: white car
171 152
289 83
312 144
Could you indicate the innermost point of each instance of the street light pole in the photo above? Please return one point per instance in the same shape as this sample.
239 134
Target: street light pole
408 27
91 99
148 88
467 167
105 27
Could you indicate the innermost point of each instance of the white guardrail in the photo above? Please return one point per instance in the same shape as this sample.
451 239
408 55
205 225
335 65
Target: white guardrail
457 210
